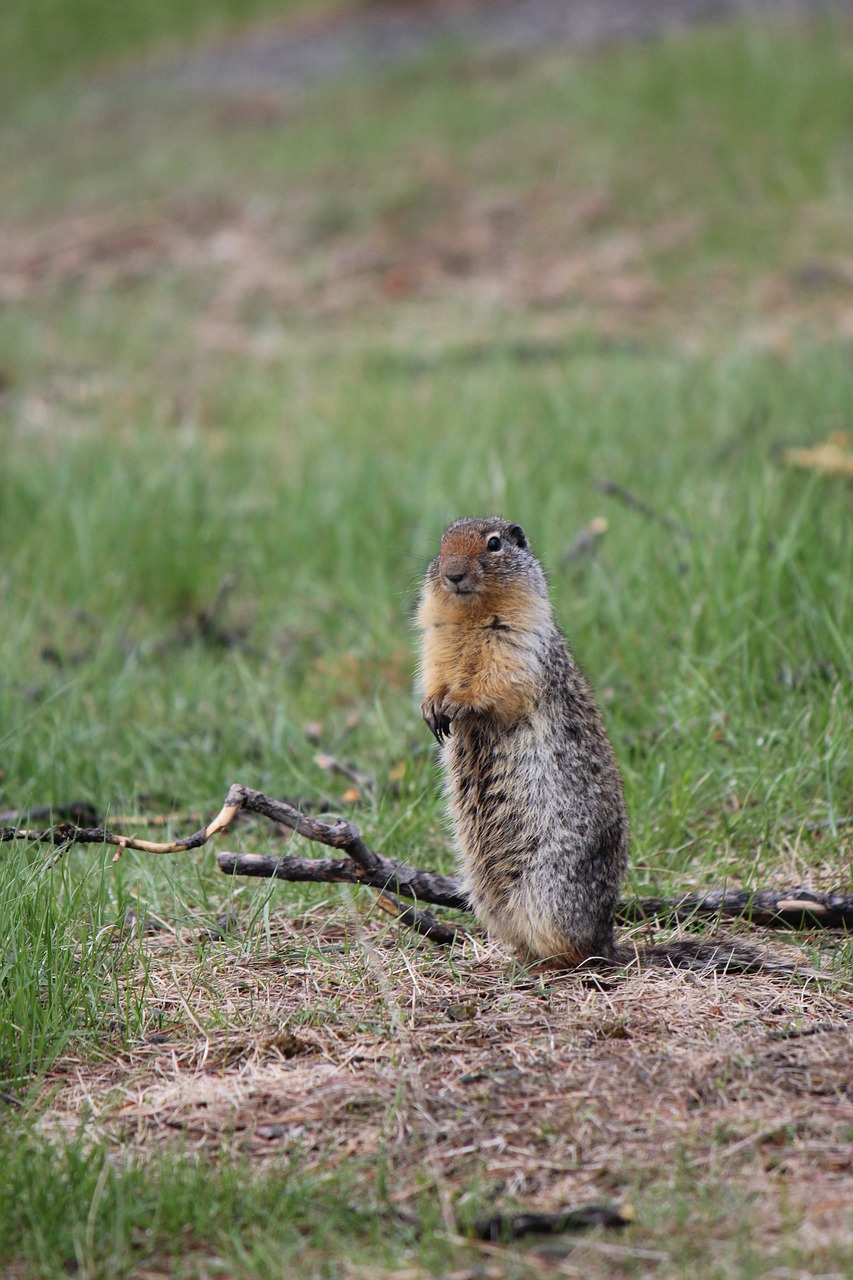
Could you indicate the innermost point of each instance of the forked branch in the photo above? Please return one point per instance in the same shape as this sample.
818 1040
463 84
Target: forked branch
362 865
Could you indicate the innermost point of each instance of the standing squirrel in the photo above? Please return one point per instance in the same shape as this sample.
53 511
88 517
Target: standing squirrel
536 795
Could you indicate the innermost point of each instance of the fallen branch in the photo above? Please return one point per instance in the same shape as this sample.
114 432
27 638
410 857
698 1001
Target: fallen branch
75 811
512 1226
797 908
423 922
363 865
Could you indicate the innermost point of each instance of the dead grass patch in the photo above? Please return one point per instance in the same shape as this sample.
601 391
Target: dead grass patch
340 1040
569 259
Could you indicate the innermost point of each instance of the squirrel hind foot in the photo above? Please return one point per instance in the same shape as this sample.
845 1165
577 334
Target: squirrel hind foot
568 957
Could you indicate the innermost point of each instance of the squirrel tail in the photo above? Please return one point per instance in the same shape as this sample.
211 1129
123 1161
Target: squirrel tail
725 956
722 956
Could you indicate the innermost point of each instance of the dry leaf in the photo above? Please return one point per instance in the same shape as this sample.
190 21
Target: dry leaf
832 457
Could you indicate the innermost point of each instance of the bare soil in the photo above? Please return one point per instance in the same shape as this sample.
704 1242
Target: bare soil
343 1039
569 264
473 249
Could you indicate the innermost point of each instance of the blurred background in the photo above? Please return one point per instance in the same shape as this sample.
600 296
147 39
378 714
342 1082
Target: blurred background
285 287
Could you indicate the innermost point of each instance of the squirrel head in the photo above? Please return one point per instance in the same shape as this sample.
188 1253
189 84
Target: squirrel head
484 564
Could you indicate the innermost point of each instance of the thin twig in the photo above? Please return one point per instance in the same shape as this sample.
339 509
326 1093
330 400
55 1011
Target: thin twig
585 541
816 1029
630 499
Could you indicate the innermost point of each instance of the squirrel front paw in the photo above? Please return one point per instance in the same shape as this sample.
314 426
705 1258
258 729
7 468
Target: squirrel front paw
437 721
439 714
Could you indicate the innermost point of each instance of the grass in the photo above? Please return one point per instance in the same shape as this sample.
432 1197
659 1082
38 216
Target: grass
280 351
82 1215
45 42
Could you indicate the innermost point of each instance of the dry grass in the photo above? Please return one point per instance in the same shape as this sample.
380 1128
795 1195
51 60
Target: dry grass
341 1039
570 265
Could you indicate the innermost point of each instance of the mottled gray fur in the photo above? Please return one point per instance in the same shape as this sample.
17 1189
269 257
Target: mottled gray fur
538 810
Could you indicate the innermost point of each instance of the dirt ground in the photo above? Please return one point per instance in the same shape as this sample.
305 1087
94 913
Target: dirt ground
571 261
338 1043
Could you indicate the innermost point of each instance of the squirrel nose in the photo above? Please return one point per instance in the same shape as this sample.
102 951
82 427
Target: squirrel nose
458 573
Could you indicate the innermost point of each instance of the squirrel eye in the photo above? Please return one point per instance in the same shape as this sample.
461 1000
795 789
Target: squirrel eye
494 543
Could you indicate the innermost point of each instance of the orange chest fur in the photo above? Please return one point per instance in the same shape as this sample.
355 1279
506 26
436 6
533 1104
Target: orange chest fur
480 660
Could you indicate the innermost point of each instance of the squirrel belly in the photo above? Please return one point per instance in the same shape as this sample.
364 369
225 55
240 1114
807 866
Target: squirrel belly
535 793
541 839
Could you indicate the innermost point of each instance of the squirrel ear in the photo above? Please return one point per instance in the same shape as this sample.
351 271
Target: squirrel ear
516 532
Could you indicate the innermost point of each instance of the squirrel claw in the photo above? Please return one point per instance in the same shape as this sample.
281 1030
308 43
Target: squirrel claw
437 722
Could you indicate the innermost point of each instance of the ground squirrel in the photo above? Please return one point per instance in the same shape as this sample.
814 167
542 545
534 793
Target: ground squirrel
536 795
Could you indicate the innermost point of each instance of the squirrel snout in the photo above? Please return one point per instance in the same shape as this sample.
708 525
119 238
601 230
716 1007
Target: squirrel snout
459 575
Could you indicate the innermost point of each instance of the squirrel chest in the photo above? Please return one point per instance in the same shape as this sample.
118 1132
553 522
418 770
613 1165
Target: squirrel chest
484 656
